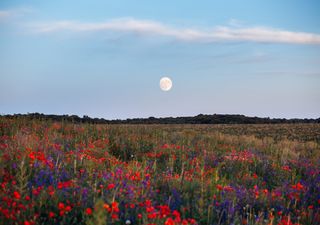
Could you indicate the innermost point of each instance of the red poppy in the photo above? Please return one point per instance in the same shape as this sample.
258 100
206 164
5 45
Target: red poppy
114 206
61 205
152 215
51 215
88 211
169 221
68 208
219 187
110 186
50 190
176 213
114 216
107 207
16 195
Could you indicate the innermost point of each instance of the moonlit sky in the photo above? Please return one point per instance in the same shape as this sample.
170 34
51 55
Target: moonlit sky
105 58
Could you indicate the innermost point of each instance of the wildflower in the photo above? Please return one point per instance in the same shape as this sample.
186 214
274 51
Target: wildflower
169 221
65 184
68 208
50 190
114 206
219 187
61 206
214 197
165 146
128 222
286 221
32 156
114 216
150 209
228 188
152 215
256 193
16 195
164 211
51 214
110 186
176 213
184 222
107 207
21 206
88 211
298 186
286 168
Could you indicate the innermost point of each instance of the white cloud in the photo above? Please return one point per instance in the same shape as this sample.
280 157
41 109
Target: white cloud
11 13
219 33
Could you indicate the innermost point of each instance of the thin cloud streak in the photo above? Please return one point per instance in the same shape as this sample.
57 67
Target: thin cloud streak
10 13
5 13
216 34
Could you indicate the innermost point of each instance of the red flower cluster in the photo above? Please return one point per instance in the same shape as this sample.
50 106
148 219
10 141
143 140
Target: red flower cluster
63 209
286 221
298 186
113 209
65 184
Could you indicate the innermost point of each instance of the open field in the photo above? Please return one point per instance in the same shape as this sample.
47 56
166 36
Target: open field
64 173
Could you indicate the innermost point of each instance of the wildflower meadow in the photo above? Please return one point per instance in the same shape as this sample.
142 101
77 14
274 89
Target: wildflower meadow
68 173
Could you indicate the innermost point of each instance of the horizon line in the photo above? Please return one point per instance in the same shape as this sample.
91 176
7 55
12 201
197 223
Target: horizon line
165 117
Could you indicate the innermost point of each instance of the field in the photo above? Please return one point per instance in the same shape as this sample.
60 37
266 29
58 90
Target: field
64 173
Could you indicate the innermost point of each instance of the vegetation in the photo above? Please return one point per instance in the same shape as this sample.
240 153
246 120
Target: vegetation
199 119
81 173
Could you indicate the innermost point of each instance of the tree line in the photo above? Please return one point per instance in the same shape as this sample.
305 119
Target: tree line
199 119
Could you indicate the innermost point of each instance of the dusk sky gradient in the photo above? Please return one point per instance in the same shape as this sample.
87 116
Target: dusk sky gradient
105 58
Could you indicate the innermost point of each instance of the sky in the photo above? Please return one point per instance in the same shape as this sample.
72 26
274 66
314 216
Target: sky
105 58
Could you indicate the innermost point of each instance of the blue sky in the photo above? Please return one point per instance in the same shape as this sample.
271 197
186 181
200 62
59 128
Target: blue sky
105 58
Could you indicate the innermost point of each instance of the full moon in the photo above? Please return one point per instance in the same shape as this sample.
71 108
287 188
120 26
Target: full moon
165 83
